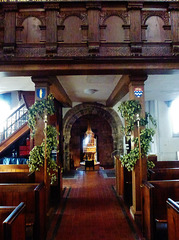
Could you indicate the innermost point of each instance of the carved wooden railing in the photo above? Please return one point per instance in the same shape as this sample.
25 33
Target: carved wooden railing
16 120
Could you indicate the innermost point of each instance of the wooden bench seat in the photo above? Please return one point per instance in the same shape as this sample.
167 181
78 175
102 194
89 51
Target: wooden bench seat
173 219
155 195
12 222
17 177
166 164
14 168
163 174
33 195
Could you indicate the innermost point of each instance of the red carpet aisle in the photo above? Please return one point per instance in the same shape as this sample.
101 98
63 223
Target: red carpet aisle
91 211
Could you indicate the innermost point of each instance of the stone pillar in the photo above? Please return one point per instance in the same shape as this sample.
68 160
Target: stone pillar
140 171
93 28
9 28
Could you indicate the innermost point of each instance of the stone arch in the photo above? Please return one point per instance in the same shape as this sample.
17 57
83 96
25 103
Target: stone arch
90 108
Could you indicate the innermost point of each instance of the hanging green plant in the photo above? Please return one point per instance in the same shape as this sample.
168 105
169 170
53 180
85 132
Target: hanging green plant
38 109
129 110
37 154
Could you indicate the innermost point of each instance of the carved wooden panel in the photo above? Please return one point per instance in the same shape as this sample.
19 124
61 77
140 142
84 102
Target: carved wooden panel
27 19
1 28
30 52
114 31
107 20
72 30
156 50
63 19
72 51
155 31
31 30
123 50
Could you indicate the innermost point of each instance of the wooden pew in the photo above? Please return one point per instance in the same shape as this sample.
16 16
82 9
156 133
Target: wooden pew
155 194
12 215
166 164
17 177
14 224
33 195
163 174
14 168
123 183
173 219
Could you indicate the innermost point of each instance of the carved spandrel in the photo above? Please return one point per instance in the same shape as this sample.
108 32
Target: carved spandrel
106 14
63 15
21 16
162 14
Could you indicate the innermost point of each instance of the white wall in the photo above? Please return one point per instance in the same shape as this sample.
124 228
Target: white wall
168 145
165 145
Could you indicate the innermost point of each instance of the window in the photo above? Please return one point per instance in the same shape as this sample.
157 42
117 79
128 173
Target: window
174 114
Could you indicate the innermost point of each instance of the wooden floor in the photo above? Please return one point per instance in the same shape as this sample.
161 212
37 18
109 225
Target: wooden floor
90 210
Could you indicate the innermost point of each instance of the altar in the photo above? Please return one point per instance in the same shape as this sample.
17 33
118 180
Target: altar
90 151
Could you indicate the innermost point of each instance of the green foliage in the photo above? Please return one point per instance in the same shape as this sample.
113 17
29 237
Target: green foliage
150 164
38 109
129 160
129 110
37 154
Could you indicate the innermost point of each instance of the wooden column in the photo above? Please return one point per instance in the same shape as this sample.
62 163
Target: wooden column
93 27
40 82
174 11
135 27
140 171
9 28
51 28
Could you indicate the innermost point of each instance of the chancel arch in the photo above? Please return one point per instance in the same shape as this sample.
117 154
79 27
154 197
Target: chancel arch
108 114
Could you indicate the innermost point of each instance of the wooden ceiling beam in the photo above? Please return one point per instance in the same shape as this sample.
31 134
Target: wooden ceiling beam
59 93
121 89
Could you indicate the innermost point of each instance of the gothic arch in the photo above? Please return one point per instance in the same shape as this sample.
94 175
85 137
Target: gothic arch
90 108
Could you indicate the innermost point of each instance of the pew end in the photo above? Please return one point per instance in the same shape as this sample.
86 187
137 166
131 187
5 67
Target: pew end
173 219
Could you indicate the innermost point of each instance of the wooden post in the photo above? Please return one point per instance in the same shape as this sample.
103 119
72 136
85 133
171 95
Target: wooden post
45 158
140 171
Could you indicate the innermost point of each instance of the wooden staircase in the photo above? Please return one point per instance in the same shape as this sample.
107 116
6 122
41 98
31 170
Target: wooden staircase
14 137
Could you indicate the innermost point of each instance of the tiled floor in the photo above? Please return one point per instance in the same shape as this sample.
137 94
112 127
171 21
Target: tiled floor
90 210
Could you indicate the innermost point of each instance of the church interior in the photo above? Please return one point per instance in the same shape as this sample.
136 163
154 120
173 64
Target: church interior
70 167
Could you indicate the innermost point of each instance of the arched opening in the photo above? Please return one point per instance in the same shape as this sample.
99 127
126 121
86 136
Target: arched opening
102 132
85 112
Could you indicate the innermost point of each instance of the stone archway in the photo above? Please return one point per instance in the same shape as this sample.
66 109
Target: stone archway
94 109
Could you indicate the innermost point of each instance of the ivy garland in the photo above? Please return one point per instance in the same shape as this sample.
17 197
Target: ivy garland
128 110
37 154
38 109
